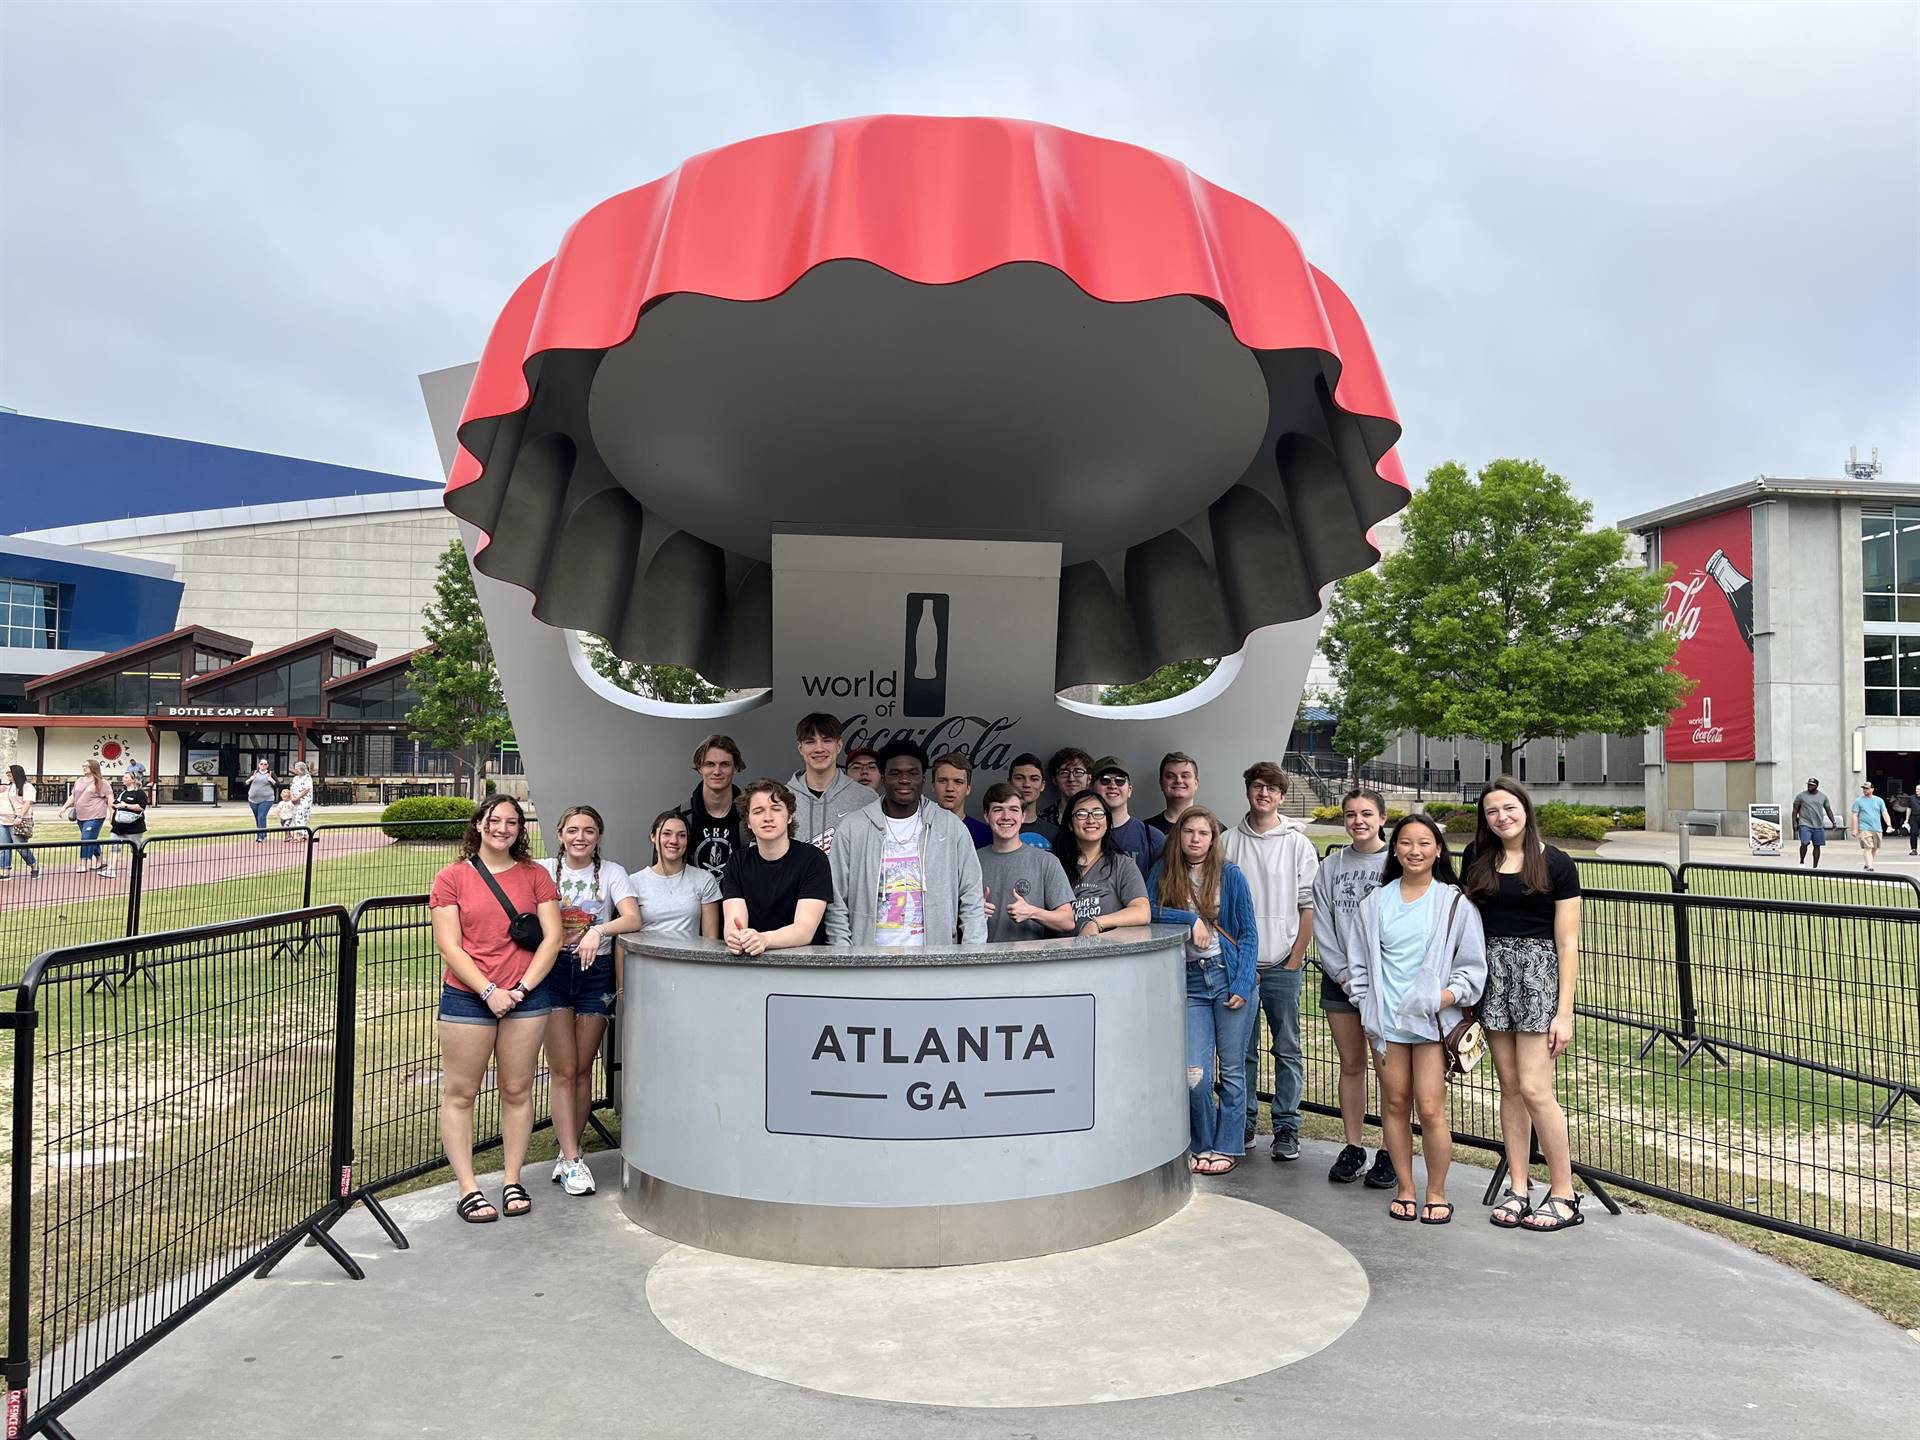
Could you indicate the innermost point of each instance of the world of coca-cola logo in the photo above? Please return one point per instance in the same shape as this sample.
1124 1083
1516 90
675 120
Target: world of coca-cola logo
986 740
1705 732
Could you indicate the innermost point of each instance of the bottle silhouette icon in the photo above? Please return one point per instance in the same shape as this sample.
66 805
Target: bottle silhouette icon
923 689
1737 588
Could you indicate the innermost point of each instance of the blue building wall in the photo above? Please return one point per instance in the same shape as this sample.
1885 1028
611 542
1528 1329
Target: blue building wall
55 473
110 609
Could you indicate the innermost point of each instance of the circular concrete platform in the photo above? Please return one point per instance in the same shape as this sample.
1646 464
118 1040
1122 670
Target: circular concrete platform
1139 1317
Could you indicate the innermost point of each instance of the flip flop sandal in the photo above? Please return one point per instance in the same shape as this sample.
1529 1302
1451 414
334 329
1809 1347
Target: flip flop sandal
1427 1211
1561 1212
1409 1214
512 1195
469 1206
1506 1216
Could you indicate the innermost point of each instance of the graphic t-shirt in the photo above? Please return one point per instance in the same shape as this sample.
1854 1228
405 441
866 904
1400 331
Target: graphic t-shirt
483 923
900 917
774 888
713 840
670 904
582 903
1346 878
1111 883
1027 872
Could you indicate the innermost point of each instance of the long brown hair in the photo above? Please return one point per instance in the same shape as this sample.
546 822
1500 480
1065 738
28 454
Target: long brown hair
1483 871
470 837
1177 892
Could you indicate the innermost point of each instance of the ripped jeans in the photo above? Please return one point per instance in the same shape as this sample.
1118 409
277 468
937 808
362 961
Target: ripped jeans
1216 1046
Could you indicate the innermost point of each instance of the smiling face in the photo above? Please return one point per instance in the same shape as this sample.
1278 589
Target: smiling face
1115 788
1072 777
670 839
1027 781
717 769
1178 782
818 753
578 836
1004 819
862 770
500 827
901 782
1196 839
1089 821
767 818
1416 849
1506 815
1263 798
1362 820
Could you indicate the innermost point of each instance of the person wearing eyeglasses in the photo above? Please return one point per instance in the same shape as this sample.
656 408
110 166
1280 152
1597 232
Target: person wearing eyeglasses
1108 889
1071 771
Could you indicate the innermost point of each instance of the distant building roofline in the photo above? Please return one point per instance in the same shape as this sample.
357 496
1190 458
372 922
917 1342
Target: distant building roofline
146 527
1769 487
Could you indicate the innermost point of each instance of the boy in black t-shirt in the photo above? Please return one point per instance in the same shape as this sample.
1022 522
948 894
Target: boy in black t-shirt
773 893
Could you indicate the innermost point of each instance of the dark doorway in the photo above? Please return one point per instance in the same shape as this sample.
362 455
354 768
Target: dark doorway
1892 772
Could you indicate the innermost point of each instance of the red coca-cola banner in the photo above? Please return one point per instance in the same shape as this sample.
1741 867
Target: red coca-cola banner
1710 605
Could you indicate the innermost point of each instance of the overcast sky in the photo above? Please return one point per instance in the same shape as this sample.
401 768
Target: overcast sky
1664 248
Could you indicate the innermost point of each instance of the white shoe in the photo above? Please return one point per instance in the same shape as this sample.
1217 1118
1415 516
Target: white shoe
105 874
560 1164
579 1179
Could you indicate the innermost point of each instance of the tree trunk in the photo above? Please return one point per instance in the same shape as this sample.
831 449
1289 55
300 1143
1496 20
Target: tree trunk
1507 751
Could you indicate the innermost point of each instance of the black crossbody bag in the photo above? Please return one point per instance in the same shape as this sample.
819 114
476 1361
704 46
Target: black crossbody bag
523 929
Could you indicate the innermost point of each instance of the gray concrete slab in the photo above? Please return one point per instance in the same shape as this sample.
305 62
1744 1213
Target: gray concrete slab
1630 1325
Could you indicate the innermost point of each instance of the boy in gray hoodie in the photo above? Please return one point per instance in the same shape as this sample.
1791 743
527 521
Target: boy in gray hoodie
822 796
1279 862
904 871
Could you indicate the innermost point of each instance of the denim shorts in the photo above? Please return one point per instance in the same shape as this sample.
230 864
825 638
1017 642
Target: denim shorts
1333 1000
585 992
463 1007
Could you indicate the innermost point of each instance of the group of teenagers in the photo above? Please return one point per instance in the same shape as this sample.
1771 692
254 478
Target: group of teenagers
864 855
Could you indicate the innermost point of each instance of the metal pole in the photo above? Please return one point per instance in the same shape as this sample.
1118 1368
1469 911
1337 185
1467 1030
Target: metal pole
19 1366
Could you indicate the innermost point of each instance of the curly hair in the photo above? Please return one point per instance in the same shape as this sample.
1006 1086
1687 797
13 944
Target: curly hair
470 837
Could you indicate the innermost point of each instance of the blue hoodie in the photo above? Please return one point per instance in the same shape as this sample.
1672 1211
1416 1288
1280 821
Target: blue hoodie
1239 932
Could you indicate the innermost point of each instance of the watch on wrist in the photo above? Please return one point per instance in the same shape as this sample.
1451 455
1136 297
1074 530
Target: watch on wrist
519 991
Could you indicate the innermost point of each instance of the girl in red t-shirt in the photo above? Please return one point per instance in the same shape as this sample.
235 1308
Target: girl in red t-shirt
495 996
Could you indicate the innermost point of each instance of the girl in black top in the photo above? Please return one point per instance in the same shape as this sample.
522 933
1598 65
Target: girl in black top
129 816
1529 898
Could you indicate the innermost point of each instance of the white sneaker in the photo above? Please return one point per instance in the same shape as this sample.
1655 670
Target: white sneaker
560 1164
579 1179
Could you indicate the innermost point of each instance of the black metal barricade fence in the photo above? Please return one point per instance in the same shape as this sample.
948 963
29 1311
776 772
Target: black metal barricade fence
1753 1059
63 904
168 1138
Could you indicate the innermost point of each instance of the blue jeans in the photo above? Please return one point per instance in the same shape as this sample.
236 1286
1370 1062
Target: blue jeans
89 833
1280 1003
1216 1037
261 809
6 856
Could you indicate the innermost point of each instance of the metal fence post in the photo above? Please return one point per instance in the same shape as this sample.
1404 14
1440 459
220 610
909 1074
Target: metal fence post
346 1008
136 877
22 1020
306 885
1683 965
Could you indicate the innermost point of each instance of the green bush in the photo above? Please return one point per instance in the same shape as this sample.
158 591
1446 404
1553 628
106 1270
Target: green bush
1460 822
455 809
1573 822
1334 815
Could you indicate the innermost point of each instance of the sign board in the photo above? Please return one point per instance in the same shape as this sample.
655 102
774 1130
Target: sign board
1763 829
204 763
220 712
861 1068
1710 606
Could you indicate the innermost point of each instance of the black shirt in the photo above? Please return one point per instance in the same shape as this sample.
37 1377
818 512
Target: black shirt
774 888
131 795
1516 914
711 842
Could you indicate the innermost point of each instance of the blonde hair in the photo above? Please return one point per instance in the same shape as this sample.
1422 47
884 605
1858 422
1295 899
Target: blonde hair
1177 891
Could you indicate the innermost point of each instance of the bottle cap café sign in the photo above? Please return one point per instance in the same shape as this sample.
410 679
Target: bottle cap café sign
220 712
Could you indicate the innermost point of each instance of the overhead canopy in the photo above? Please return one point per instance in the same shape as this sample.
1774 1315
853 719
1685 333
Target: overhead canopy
912 326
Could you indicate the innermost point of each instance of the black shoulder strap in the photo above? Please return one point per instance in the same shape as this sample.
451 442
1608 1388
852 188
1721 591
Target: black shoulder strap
494 885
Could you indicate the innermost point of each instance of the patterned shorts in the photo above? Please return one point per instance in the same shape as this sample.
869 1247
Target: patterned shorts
1523 984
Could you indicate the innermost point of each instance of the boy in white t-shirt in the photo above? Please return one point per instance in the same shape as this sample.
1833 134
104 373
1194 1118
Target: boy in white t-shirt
283 812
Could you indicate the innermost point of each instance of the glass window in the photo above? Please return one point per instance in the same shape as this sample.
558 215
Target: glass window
1876 554
1878 607
1909 663
130 692
1882 702
1879 662
1906 524
34 616
273 685
238 691
303 686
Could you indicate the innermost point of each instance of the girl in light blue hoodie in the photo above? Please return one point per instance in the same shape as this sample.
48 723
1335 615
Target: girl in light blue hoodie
1416 954
1194 884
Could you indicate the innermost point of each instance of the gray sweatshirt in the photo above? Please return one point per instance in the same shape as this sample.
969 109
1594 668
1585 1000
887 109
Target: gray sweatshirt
1456 960
949 869
816 816
1345 879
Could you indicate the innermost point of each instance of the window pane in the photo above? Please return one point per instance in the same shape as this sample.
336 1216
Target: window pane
273 686
130 693
1910 702
1879 655
1880 702
1876 554
1908 606
1907 548
1909 662
1878 607
303 694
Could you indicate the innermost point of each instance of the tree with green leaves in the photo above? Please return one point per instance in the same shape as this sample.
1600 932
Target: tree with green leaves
1163 684
1504 617
674 683
461 709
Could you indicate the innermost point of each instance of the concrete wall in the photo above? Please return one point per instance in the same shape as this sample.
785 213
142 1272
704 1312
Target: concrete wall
273 583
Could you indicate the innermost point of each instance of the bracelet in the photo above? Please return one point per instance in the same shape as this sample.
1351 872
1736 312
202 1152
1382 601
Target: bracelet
519 990
487 994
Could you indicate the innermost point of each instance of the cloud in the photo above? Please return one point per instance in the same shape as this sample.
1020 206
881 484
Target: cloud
1662 248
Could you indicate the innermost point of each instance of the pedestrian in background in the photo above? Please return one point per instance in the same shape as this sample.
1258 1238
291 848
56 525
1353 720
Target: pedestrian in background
1812 818
261 790
87 805
129 814
16 823
1869 822
302 797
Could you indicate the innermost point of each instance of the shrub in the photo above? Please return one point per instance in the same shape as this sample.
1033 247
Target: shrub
1460 822
1573 822
455 809
1333 814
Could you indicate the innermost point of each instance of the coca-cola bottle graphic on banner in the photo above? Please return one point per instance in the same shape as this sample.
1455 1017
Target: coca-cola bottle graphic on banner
1737 588
923 686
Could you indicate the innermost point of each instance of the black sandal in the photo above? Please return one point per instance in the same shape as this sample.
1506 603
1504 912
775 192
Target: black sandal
1564 1218
1409 1214
470 1204
1506 1217
515 1194
1427 1211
